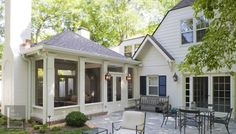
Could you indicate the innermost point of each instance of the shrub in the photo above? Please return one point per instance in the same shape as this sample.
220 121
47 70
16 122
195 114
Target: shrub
56 128
76 119
36 127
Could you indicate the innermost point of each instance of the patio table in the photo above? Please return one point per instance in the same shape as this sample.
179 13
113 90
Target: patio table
207 112
96 130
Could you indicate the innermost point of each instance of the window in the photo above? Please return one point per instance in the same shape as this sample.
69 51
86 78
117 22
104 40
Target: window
66 83
221 93
92 83
193 30
202 24
39 83
153 88
130 84
187 31
128 51
187 91
113 68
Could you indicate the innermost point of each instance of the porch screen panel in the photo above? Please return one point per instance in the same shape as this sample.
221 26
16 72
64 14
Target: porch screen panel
92 82
39 83
221 93
65 83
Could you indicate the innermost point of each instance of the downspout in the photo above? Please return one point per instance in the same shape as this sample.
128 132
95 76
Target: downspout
28 88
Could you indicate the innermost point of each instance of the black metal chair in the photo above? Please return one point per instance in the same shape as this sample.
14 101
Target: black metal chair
190 118
224 120
166 111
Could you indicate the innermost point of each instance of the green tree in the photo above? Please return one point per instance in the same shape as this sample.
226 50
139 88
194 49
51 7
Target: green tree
109 21
217 51
2 8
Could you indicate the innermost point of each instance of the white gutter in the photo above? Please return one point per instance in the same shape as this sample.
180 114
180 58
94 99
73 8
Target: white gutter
78 53
28 107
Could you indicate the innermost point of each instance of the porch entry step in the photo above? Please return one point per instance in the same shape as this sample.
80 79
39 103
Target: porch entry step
95 114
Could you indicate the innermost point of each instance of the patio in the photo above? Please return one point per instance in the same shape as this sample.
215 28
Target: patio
153 124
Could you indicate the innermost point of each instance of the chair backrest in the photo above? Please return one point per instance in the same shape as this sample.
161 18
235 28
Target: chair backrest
229 115
189 116
131 119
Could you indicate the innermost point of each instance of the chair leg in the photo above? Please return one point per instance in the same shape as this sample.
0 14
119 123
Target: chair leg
163 121
227 128
166 120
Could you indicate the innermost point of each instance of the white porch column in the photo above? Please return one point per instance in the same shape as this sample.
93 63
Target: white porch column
50 86
104 85
191 89
124 88
82 84
45 92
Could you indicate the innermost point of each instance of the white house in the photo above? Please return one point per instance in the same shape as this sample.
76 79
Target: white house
161 52
69 72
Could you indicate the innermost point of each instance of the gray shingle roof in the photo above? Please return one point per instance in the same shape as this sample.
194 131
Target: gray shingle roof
183 3
71 40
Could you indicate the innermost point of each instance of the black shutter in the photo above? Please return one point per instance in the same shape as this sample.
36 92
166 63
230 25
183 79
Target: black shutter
143 85
162 85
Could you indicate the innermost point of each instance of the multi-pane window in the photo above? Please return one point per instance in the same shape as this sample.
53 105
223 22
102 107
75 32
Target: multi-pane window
201 26
221 90
130 83
128 51
39 83
187 31
193 30
187 91
153 88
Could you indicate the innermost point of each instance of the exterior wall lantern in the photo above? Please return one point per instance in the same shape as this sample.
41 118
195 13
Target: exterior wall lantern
128 77
175 77
107 76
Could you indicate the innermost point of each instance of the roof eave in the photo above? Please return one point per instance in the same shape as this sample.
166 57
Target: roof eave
78 53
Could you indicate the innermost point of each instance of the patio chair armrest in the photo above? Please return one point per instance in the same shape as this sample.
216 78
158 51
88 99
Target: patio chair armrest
140 130
114 126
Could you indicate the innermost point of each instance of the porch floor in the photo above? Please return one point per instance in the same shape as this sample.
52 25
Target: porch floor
153 124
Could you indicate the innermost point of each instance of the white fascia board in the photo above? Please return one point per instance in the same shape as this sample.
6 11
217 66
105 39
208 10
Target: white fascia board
156 46
78 53
32 50
141 47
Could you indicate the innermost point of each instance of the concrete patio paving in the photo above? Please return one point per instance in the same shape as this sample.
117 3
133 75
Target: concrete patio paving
153 124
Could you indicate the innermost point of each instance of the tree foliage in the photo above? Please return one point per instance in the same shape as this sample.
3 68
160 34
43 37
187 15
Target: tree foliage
109 21
217 51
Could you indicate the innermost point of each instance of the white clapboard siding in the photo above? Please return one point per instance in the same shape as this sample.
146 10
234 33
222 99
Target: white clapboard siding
168 33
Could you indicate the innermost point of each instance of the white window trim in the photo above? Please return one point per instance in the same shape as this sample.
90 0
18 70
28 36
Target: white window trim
147 85
194 32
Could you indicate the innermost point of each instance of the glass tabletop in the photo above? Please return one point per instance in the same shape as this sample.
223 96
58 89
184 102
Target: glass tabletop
96 131
201 109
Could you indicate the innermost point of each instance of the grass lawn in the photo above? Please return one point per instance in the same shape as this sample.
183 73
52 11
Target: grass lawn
62 131
12 131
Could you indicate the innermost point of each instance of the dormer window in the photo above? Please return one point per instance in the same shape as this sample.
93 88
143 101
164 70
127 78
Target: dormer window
128 51
187 31
201 25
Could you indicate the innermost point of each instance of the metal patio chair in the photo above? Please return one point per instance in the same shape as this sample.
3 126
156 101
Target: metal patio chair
224 120
190 118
